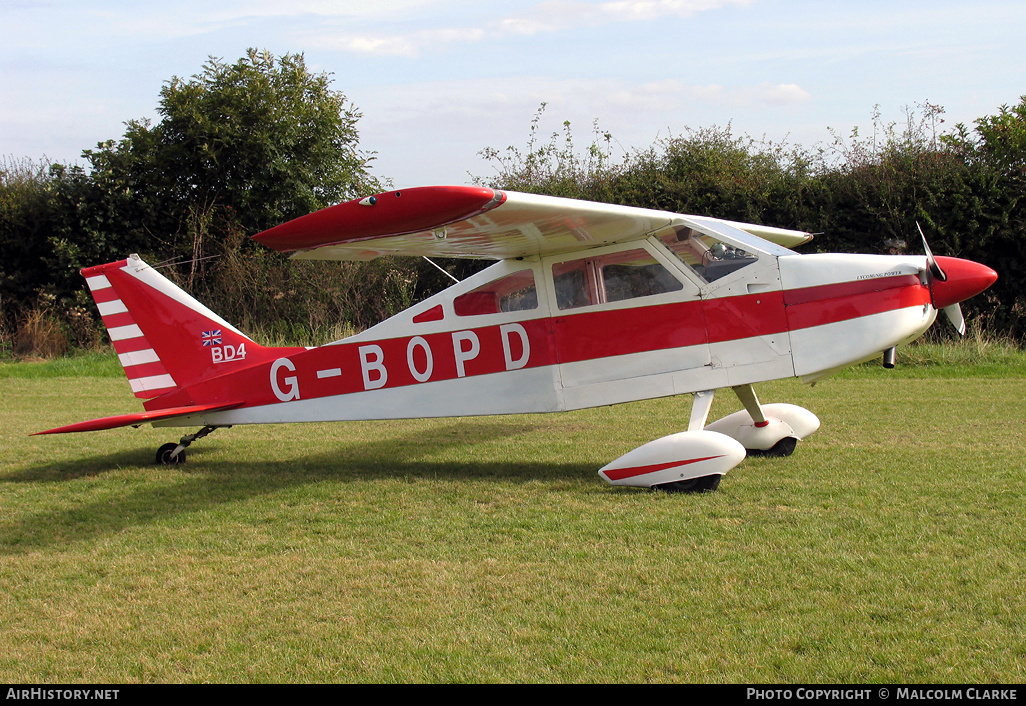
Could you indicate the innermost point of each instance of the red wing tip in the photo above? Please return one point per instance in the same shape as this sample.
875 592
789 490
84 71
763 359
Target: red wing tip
398 212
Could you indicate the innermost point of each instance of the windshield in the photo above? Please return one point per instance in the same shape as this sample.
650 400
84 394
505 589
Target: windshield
708 257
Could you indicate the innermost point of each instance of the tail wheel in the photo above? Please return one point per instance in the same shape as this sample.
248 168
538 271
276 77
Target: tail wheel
165 458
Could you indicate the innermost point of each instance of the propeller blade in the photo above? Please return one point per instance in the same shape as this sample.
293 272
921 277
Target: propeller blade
954 314
935 269
966 279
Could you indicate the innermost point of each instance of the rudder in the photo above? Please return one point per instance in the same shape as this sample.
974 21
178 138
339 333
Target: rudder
165 339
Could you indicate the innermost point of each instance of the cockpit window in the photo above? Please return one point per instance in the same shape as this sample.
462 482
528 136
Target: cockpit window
611 278
708 257
515 292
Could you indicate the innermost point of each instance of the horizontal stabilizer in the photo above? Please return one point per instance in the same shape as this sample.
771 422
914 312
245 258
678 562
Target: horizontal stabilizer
125 420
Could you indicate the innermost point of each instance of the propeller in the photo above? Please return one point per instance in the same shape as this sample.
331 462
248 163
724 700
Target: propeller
954 314
931 261
936 272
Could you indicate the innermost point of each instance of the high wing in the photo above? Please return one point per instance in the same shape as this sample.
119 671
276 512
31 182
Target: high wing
479 223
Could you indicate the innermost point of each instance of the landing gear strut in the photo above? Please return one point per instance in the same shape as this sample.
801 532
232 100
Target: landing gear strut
766 430
173 454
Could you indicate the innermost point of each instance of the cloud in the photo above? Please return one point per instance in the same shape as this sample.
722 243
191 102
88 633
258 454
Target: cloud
556 15
579 96
376 45
188 18
546 17
409 45
505 107
780 94
433 132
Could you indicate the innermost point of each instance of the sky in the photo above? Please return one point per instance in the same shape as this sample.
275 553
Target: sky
439 81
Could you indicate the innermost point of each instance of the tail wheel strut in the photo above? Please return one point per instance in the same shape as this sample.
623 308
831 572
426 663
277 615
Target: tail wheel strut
173 454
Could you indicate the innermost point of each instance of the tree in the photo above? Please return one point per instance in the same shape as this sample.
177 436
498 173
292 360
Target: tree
266 138
995 156
262 139
238 148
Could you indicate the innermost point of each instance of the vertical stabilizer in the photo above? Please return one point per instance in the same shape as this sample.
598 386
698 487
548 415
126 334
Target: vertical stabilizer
164 338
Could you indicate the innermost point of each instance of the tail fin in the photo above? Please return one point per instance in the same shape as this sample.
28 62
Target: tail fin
164 338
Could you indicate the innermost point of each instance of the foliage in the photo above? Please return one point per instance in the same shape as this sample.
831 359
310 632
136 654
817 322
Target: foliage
992 210
261 139
243 146
25 211
554 167
261 291
239 148
863 193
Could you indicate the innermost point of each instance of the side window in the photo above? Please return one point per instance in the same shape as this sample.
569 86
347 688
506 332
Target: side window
708 257
611 278
515 292
575 284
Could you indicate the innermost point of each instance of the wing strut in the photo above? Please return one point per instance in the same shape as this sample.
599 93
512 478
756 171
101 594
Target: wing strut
440 269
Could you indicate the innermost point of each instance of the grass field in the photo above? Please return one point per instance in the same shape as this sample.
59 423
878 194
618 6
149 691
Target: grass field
890 547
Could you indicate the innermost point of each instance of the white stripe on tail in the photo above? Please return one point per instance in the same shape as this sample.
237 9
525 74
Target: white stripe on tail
146 374
164 338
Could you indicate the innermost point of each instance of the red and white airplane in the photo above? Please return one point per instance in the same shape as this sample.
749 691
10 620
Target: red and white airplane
589 304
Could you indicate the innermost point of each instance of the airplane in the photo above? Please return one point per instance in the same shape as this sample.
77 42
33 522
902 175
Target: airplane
588 304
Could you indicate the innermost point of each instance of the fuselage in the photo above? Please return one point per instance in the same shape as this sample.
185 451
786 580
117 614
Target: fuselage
678 312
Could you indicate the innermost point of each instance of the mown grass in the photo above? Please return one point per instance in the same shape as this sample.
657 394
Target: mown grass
888 548
973 356
81 364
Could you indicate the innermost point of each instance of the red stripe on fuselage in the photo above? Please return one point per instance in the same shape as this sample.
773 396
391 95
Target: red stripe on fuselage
346 368
827 304
734 318
603 334
805 295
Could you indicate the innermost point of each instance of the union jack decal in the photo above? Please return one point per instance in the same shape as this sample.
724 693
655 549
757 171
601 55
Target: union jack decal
212 338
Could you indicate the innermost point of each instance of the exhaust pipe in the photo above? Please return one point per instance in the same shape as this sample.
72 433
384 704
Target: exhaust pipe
888 357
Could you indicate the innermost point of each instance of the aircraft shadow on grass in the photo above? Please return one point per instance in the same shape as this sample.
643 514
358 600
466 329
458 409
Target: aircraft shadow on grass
217 483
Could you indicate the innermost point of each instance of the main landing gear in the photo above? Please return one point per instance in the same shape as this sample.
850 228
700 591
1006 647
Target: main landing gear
173 454
695 460
702 484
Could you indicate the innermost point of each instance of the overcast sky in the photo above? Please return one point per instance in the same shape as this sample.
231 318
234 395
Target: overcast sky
437 81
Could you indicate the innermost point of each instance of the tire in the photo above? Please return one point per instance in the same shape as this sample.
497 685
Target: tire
784 447
164 457
705 484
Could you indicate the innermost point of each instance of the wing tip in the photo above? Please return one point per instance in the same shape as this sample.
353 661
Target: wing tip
397 212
